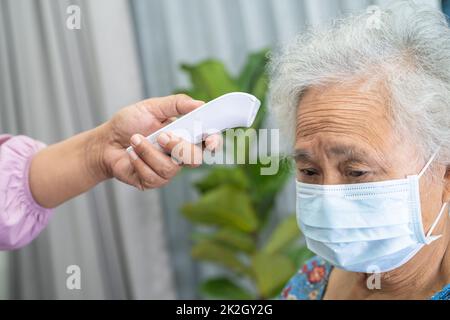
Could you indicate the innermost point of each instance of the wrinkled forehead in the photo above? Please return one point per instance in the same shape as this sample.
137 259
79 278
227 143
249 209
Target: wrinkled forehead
358 109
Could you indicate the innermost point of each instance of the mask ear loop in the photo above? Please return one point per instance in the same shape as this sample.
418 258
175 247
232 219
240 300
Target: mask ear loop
428 163
436 222
428 235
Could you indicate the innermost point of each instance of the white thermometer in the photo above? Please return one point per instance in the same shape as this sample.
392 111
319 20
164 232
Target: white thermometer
232 110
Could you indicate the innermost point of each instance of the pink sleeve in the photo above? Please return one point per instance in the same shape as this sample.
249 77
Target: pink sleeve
21 218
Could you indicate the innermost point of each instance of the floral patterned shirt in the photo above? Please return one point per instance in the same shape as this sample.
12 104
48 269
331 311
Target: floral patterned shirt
311 281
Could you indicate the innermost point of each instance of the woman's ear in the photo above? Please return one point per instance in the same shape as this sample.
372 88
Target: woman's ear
446 193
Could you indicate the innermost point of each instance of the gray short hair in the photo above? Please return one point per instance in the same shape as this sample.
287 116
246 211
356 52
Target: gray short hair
406 45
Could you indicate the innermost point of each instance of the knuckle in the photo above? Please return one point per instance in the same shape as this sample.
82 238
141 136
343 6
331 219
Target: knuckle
142 153
181 96
167 171
149 180
144 149
141 106
147 185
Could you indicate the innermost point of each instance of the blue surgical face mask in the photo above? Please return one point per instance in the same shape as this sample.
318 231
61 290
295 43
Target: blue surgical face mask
366 226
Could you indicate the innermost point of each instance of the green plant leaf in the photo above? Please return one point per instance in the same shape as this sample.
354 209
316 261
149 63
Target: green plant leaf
197 235
235 239
284 234
211 251
210 78
253 70
253 79
271 272
260 87
266 187
239 200
269 185
231 238
259 91
223 175
224 288
225 206
299 255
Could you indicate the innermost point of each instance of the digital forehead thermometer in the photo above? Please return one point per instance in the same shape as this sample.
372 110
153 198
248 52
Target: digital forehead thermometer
232 110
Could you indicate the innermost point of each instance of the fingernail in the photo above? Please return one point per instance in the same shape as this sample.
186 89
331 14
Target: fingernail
163 139
136 139
133 155
197 101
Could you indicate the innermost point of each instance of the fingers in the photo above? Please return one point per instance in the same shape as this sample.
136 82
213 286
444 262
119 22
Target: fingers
171 106
214 142
169 121
181 151
153 167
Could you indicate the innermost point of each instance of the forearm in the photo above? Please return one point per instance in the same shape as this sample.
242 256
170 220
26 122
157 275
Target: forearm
67 169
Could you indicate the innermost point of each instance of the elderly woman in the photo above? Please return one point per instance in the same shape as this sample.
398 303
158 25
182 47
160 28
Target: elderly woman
365 108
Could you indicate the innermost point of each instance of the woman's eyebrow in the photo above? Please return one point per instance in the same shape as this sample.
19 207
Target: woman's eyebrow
303 155
349 152
352 154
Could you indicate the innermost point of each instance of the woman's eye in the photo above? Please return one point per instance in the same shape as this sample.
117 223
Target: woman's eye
356 173
308 172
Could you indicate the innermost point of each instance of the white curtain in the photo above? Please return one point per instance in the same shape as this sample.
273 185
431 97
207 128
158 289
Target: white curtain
55 82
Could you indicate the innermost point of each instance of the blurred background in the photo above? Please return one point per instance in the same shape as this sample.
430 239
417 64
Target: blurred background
213 232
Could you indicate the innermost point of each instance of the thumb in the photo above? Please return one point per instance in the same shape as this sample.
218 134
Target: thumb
172 106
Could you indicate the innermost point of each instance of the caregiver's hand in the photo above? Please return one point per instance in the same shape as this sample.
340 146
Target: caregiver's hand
147 167
71 167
